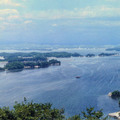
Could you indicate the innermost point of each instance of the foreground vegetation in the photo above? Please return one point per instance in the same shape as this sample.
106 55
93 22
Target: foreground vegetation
35 111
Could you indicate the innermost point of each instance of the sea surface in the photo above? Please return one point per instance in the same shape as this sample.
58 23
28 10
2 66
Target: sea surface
59 85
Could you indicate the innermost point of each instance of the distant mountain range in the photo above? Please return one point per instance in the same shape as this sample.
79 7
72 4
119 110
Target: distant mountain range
113 49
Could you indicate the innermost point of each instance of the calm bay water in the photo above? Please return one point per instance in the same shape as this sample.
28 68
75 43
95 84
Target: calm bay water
58 85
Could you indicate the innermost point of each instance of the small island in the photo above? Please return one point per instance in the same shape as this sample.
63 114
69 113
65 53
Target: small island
113 49
107 54
114 94
90 55
20 65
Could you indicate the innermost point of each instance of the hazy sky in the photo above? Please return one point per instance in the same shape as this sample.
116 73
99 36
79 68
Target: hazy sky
84 22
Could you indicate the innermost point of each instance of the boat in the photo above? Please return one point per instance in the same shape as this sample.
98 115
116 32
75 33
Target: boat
77 77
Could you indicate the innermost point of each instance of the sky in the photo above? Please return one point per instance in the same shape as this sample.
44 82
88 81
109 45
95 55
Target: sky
60 22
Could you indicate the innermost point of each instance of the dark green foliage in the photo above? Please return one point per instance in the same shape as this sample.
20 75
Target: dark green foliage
58 54
36 111
20 65
2 69
35 56
39 58
76 55
14 66
14 59
23 59
90 55
106 54
6 114
31 64
112 49
76 117
119 103
17 61
90 114
44 64
115 94
31 111
53 62
63 54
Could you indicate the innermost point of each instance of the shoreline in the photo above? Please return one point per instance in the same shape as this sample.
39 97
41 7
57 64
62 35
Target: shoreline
115 115
110 94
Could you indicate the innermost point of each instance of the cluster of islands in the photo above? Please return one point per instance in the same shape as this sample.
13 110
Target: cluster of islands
20 61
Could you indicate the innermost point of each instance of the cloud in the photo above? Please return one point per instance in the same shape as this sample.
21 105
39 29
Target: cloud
1 18
54 25
103 23
8 18
8 11
88 12
112 0
28 21
13 17
9 14
2 28
9 2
